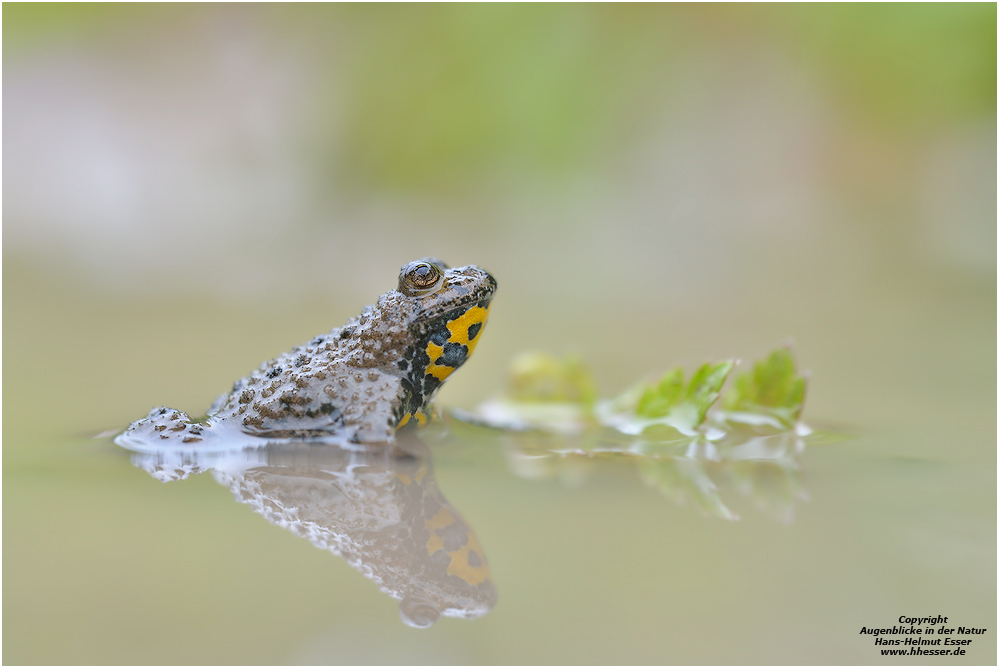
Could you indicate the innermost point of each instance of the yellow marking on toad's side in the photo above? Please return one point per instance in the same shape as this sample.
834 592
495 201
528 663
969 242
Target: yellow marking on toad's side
458 327
460 566
434 352
442 519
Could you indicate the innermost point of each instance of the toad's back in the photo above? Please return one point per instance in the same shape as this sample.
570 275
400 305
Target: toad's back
361 381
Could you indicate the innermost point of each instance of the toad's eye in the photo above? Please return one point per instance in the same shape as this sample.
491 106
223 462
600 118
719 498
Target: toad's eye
423 275
419 278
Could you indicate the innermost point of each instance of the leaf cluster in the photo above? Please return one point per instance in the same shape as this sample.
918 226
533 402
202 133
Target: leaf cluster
686 402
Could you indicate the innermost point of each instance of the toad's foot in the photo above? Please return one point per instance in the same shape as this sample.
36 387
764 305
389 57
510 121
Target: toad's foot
168 426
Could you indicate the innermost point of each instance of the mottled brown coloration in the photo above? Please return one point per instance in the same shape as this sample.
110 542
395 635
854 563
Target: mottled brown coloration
360 381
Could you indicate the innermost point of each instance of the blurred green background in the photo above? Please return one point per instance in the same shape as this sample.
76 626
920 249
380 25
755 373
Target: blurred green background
191 189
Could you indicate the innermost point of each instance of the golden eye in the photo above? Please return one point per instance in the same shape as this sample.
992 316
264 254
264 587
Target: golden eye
423 275
418 278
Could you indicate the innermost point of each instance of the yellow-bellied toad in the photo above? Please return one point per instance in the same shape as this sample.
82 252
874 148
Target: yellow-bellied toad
360 382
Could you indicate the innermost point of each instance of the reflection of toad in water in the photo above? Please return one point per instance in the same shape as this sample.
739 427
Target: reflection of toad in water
381 512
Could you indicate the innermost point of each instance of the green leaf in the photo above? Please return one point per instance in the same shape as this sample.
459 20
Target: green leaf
772 386
684 404
706 385
657 400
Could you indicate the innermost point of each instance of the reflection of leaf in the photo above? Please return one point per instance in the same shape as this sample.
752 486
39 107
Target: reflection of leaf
772 386
682 478
685 404
691 469
773 485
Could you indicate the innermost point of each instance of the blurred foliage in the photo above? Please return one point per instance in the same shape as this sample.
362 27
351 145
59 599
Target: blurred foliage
34 26
903 64
432 97
550 394
444 91
543 378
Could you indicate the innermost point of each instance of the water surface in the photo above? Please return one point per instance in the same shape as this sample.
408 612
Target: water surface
105 563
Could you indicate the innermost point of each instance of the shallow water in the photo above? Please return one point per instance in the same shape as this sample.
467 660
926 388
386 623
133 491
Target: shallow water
106 564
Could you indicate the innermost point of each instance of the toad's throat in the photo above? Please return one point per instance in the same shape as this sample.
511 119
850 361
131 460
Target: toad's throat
449 346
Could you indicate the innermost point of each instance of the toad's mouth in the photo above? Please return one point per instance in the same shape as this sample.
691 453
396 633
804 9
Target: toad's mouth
457 296
454 310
